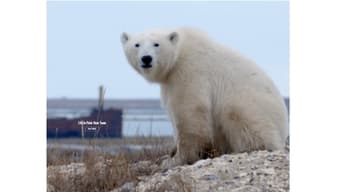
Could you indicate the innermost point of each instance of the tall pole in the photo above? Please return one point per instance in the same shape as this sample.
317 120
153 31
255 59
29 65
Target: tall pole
100 107
82 131
101 97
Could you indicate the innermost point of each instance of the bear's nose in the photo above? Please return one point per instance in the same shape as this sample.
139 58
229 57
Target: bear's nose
147 59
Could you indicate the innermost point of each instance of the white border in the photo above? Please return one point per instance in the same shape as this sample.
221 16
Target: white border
23 95
315 92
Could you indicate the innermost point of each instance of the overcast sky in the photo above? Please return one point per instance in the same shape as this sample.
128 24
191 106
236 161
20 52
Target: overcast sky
84 49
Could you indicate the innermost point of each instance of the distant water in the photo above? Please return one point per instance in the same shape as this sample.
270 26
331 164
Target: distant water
146 122
146 128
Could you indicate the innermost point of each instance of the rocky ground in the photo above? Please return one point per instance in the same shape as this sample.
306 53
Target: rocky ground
255 171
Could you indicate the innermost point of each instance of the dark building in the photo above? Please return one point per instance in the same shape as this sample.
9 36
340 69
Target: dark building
66 121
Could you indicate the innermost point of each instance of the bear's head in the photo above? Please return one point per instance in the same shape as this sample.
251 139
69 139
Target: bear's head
152 54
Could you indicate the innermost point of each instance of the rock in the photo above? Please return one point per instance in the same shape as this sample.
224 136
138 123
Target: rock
209 177
255 171
127 187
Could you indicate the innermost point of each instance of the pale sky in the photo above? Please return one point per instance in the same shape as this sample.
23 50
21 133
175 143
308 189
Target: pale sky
84 49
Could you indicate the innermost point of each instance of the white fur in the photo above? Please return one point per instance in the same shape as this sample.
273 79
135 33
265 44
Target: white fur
214 96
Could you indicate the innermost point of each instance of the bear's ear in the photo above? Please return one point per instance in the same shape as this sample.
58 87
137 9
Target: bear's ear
124 38
173 37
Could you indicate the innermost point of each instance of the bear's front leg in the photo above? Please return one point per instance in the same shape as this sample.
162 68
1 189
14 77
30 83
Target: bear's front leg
194 134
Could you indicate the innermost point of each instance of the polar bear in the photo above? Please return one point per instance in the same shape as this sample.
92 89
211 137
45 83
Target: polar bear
216 99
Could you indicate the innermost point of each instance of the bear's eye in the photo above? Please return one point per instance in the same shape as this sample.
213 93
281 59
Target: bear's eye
156 45
137 45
